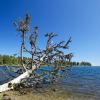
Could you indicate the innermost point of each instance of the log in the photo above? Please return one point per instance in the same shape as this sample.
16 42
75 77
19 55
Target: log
9 85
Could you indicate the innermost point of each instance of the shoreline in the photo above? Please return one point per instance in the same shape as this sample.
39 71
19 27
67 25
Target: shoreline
49 95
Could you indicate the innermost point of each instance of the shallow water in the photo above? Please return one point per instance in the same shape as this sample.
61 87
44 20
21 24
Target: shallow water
83 81
7 74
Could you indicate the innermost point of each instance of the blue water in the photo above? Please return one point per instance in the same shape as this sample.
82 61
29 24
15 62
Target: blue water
7 74
82 80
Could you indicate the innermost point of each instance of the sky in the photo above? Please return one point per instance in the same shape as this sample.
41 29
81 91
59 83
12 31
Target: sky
79 19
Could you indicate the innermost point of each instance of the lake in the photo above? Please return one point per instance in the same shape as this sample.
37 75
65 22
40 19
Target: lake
79 80
83 80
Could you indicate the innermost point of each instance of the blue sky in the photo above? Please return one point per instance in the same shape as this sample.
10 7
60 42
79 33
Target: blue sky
77 18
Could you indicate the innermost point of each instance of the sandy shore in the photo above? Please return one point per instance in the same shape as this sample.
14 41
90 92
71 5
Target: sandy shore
47 95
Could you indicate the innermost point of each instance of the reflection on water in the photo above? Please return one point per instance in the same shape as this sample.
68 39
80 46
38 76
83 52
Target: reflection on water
80 80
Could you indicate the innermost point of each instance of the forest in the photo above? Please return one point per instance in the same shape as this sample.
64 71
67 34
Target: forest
15 61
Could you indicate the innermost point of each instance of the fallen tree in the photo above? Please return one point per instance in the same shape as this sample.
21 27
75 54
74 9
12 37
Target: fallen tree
51 55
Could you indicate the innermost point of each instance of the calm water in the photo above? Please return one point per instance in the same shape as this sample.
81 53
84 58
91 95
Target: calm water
7 74
81 80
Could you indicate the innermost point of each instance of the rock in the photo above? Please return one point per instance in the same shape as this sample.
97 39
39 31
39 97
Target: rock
6 97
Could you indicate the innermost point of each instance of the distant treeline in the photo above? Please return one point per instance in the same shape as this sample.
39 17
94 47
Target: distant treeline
66 63
12 60
9 60
83 63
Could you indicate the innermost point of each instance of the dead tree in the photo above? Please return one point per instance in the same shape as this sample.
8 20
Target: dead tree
69 57
52 54
22 27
